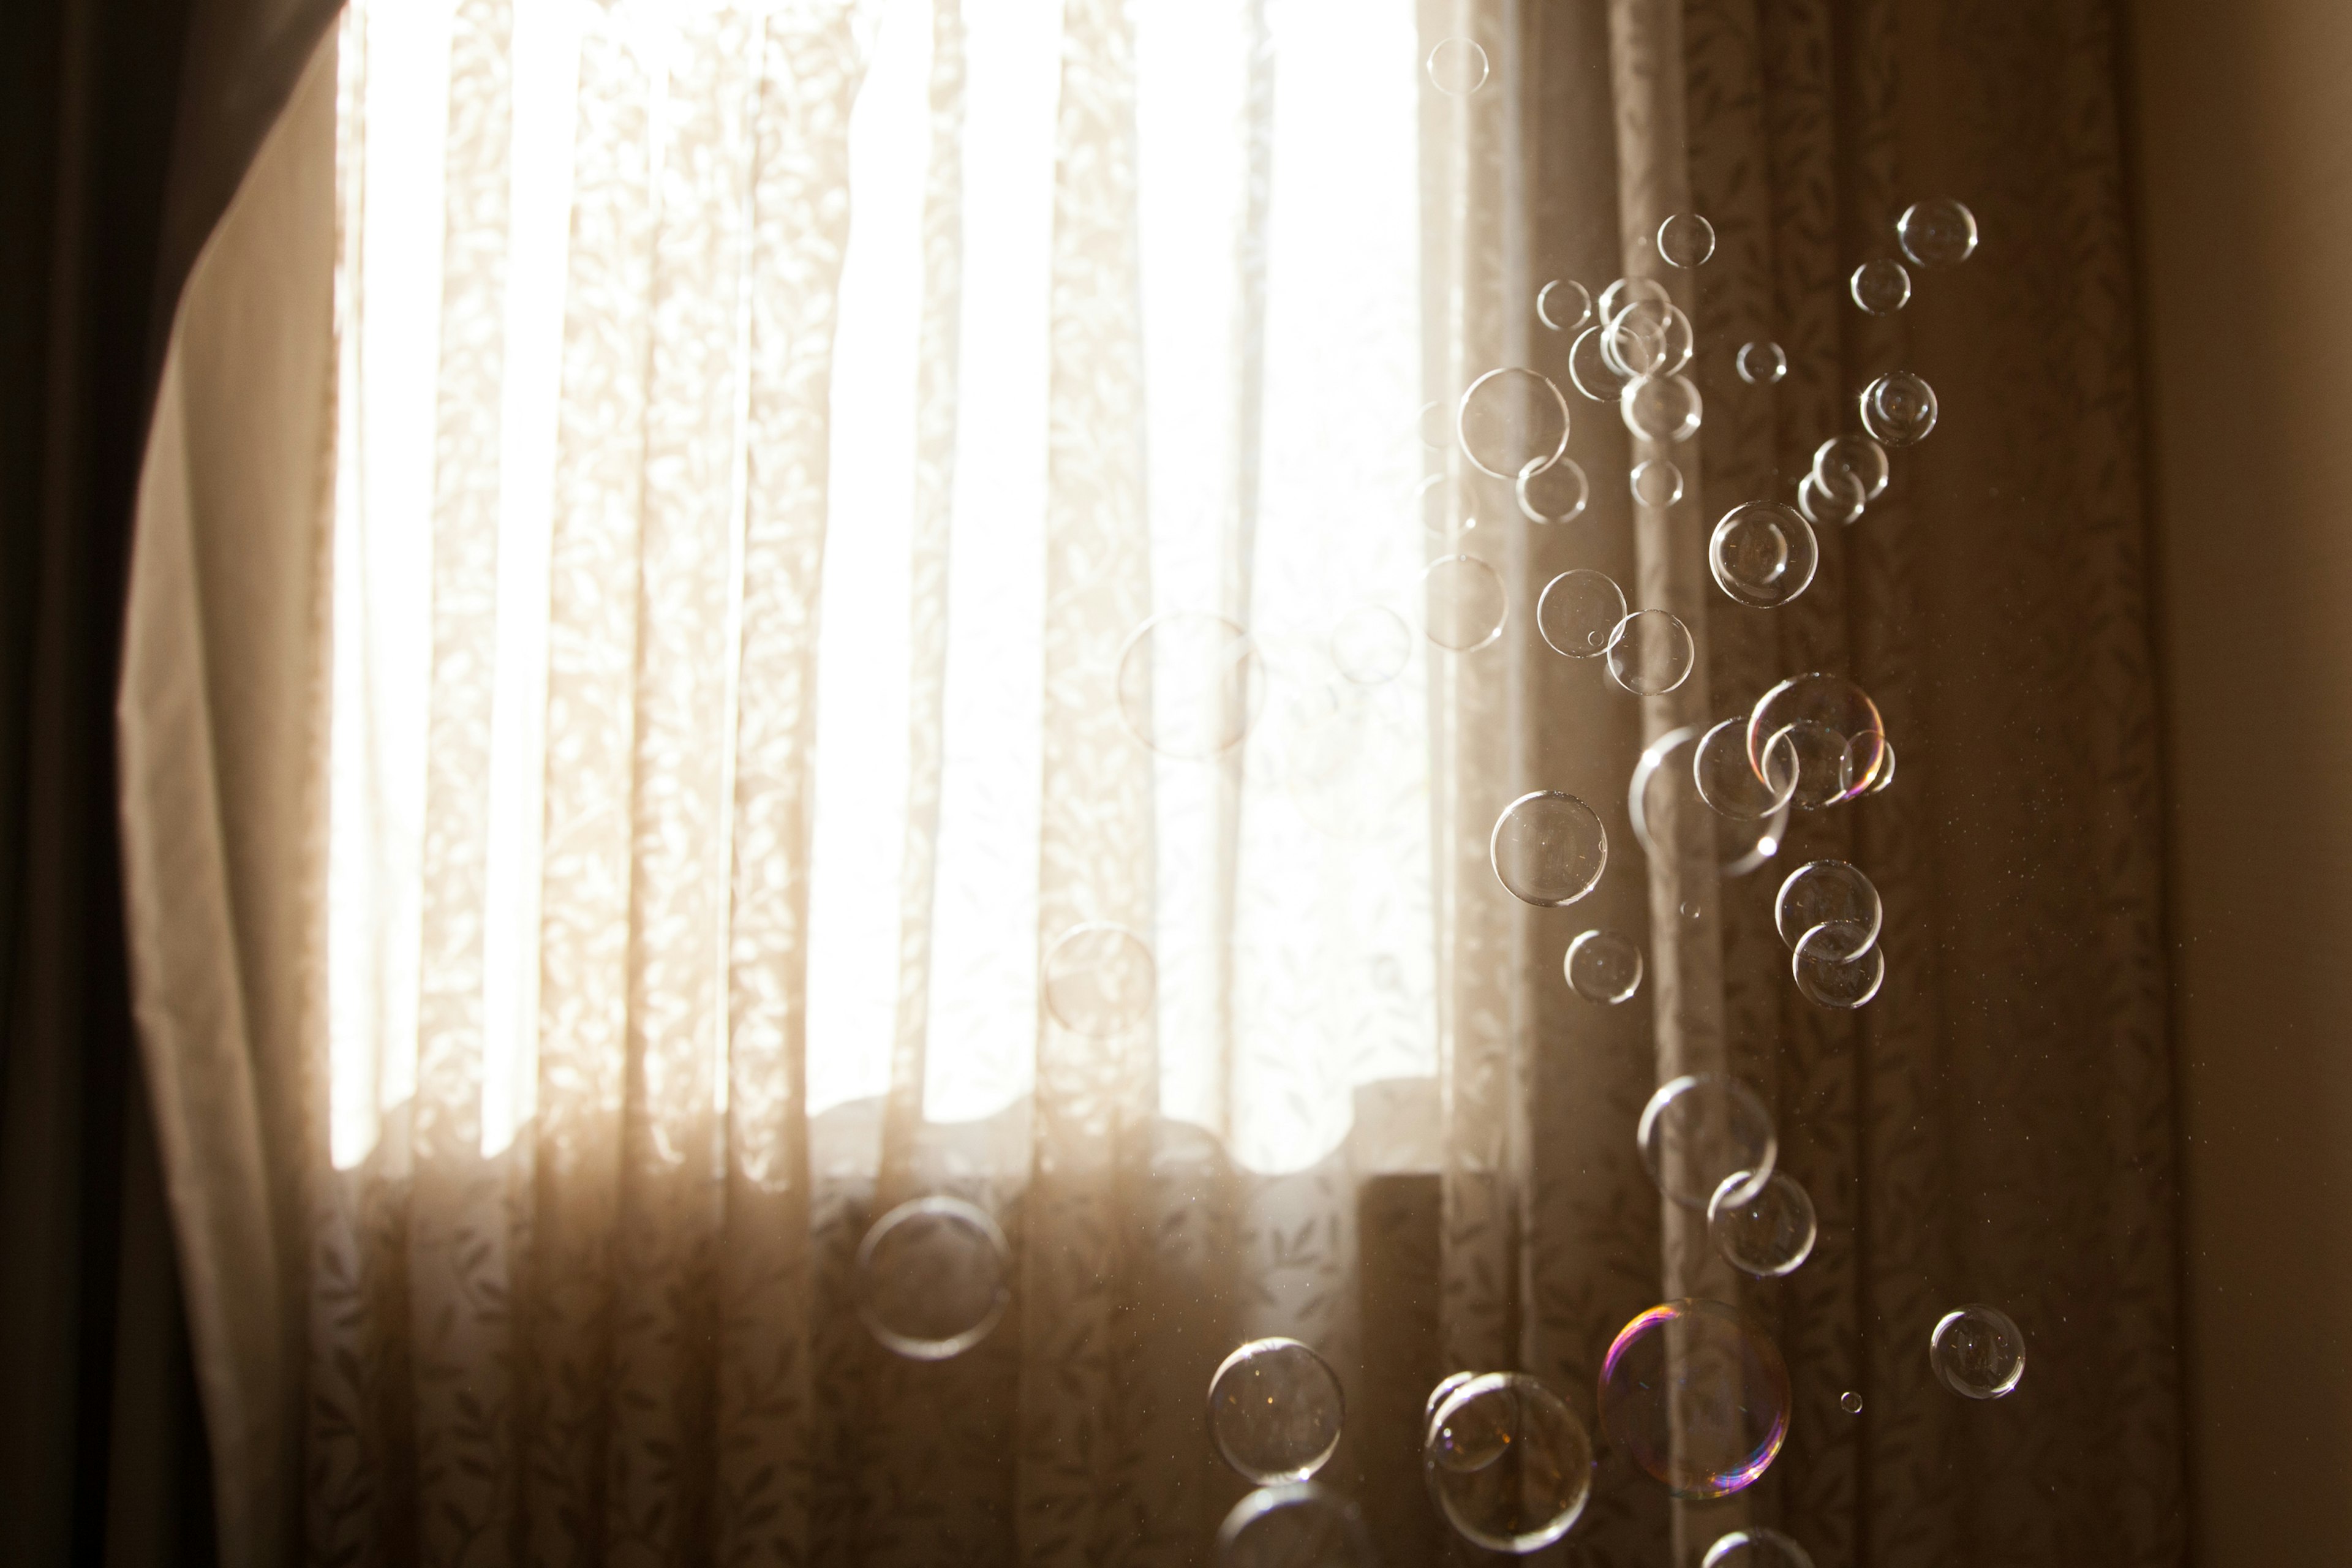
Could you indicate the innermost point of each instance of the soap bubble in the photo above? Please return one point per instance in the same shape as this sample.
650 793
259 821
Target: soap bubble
1510 1465
1464 604
1702 1129
1849 1402
1589 369
1511 418
1763 553
1436 425
1686 239
1719 769
1836 704
1820 508
1190 684
1370 644
1555 493
1564 305
1940 233
1837 965
1602 966
1882 286
1696 1395
1663 786
1661 408
1579 611
1300 1524
1761 363
1648 338
1549 848
1977 1352
1652 653
1627 292
1820 754
1854 767
1898 408
1822 890
1276 1409
1437 1397
1098 979
1457 67
933 1277
1656 482
1755 1547
1766 1231
1845 464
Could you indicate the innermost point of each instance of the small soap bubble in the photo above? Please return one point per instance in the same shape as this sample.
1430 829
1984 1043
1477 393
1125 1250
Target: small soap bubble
1648 338
1701 1130
1849 1402
1564 305
1457 67
1276 1410
1686 239
934 1276
1510 419
1831 702
1823 891
1650 653
1590 370
1763 553
1882 286
1851 466
1300 1524
1510 1465
1190 684
1371 645
1602 966
1628 292
1940 233
1578 612
1898 408
1854 766
1661 408
1436 425
1977 1352
1463 603
1755 1547
1820 508
1656 482
1838 964
1720 770
1761 363
1557 493
1098 980
1696 1395
1437 1397
1766 1231
1549 848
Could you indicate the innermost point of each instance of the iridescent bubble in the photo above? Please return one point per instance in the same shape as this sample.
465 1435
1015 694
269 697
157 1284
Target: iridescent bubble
1656 482
1898 408
1556 493
1457 67
1697 1395
934 1276
1579 612
1602 966
1766 1231
1846 465
1300 1524
1701 1130
1370 644
1763 553
1510 419
1686 239
1849 1402
1652 653
1463 603
1977 1352
1098 980
1940 233
1854 766
1831 701
1882 286
1509 1465
1755 1547
1648 338
1276 1410
1627 292
1190 684
1564 305
1720 770
1833 968
1761 363
1661 408
1820 508
1549 848
1590 370
1822 890
1663 790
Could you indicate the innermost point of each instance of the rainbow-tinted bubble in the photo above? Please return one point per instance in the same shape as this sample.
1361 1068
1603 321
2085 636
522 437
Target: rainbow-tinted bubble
1696 1395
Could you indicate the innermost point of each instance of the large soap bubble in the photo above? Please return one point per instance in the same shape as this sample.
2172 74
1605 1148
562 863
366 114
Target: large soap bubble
1296 1525
1755 1547
1556 493
1098 979
1880 287
1464 604
1603 966
1686 240
1190 684
1763 553
1697 1395
1549 848
1652 653
1509 1465
1977 1352
1833 968
1822 890
1766 1231
1510 418
1838 707
1663 786
1457 67
1564 305
1701 1130
1276 1410
1720 771
933 1277
1662 407
1578 613
1898 408
1938 233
